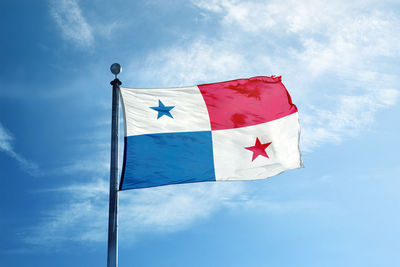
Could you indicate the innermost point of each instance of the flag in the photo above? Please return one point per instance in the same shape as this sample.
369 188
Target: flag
243 129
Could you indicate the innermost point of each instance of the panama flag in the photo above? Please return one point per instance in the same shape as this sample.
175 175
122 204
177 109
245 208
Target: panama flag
243 129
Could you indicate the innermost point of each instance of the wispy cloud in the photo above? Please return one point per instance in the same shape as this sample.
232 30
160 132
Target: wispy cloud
5 139
351 114
6 146
336 58
82 217
166 209
200 61
74 26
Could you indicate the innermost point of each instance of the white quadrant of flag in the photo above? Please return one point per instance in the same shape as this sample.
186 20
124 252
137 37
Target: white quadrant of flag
234 162
189 112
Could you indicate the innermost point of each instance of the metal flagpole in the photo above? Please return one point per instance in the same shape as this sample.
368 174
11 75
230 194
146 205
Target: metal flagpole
112 256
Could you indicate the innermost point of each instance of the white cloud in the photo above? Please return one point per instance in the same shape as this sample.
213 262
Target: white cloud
6 145
94 156
106 30
335 58
68 16
82 217
201 61
99 165
172 208
166 209
5 139
350 115
288 16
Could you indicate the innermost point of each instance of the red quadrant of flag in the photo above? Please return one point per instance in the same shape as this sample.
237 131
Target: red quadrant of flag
246 102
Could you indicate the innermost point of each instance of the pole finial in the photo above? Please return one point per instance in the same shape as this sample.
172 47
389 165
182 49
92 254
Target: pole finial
116 69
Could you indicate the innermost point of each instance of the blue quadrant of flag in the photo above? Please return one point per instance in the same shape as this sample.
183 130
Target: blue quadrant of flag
168 158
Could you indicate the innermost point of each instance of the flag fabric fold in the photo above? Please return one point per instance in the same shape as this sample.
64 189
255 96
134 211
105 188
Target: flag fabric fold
243 129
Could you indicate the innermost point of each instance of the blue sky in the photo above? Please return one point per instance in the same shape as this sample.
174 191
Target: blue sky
338 59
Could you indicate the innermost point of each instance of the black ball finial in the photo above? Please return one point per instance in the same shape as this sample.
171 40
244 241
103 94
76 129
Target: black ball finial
116 69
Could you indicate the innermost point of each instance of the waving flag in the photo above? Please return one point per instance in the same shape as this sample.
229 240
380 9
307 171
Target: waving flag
236 130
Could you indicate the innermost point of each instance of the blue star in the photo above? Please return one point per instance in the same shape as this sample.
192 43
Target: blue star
163 110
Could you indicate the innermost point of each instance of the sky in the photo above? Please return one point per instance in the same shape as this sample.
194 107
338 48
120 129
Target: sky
338 59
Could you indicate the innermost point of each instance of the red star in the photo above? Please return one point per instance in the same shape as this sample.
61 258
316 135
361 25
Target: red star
258 149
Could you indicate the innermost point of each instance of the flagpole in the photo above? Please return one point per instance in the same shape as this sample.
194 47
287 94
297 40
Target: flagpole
112 256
